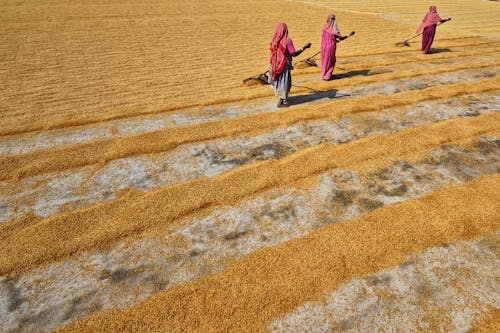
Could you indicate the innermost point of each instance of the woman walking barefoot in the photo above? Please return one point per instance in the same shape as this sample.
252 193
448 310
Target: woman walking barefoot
428 25
329 47
280 63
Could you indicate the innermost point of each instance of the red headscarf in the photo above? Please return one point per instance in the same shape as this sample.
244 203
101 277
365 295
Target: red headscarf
431 18
331 25
278 49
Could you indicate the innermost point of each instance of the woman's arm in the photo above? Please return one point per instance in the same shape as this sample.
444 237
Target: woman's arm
446 20
299 51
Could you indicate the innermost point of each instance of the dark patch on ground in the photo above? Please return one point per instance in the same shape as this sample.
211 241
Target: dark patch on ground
210 234
235 235
384 174
483 75
411 85
406 166
394 192
107 195
382 189
344 197
488 146
217 157
158 281
141 183
194 253
285 213
326 218
423 178
259 153
83 305
470 113
119 275
425 290
15 298
370 204
461 166
34 321
210 154
378 280
407 263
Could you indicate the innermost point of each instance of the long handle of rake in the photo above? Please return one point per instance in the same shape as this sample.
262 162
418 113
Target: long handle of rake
413 37
423 32
306 60
315 54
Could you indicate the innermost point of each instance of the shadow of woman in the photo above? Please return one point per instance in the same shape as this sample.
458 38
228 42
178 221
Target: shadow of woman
432 51
360 72
314 95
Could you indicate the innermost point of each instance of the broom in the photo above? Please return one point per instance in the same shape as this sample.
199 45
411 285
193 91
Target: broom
263 78
405 42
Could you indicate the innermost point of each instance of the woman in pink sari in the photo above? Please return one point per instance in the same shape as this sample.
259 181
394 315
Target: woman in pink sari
331 34
280 63
428 25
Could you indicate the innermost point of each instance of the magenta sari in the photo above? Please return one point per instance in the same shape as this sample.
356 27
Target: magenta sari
428 38
328 57
329 47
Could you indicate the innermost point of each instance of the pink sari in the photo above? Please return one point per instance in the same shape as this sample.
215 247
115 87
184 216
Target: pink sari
329 47
428 26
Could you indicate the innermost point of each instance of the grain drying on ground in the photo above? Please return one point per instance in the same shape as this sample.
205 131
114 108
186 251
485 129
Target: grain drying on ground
144 187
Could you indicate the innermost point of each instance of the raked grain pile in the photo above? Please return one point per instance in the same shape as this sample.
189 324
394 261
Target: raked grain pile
144 188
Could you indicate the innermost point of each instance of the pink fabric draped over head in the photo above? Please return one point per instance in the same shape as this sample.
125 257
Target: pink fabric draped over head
331 25
278 48
431 18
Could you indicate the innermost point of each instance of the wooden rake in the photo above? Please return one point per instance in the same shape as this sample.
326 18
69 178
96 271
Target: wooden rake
261 78
405 42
